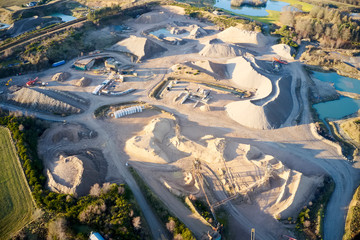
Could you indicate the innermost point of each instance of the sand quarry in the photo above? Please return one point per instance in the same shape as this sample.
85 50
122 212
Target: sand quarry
223 104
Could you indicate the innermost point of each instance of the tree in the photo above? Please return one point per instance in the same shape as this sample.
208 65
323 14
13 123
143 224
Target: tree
57 229
171 225
136 222
95 190
287 17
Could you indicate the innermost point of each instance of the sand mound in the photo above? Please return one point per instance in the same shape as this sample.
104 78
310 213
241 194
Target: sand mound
149 143
35 100
83 82
160 142
216 69
220 50
152 17
267 113
255 175
62 76
323 91
272 103
76 173
276 189
177 31
197 32
283 50
237 35
141 47
244 75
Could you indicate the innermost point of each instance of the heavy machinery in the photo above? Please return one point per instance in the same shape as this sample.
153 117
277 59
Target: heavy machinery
32 81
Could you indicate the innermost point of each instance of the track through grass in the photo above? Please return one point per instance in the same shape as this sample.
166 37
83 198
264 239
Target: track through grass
16 202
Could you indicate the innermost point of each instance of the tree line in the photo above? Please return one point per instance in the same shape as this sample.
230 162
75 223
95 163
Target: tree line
329 26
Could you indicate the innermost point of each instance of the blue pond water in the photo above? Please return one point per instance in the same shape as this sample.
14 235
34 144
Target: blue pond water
166 33
3 25
251 11
344 106
65 18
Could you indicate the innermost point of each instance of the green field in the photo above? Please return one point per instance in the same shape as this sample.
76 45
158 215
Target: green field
273 17
306 7
16 202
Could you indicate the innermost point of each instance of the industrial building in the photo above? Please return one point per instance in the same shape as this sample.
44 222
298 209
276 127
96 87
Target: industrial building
112 65
95 236
127 111
84 64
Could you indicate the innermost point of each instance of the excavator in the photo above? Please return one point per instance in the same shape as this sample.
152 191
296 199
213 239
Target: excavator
279 61
32 82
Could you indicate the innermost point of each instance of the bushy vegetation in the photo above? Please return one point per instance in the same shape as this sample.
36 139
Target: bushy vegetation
109 210
176 228
41 54
331 27
347 149
287 36
204 210
309 222
103 12
352 226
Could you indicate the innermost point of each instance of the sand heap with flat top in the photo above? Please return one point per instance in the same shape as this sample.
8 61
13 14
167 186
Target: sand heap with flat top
237 35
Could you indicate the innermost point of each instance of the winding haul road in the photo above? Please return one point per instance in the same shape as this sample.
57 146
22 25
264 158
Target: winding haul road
289 142
343 174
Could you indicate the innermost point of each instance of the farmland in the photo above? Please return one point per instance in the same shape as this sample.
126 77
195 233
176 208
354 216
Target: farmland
15 198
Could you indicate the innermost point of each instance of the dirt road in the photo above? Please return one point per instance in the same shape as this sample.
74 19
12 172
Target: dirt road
297 147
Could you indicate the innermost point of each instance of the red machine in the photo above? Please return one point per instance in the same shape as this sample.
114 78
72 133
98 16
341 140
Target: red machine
32 82
279 61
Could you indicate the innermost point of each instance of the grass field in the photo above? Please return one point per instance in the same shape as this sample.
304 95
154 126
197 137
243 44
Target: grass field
306 7
16 202
273 17
7 3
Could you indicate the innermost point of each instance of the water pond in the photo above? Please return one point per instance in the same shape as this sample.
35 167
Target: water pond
166 33
65 18
344 106
3 25
251 11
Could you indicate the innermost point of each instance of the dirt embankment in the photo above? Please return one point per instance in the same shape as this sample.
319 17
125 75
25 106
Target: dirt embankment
71 166
33 99
343 62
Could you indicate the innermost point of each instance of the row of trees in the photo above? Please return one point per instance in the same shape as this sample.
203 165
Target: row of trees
107 209
330 27
103 12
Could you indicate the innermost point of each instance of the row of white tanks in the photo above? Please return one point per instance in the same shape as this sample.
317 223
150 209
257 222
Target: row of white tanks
128 111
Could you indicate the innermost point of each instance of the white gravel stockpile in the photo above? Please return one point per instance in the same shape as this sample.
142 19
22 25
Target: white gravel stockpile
271 104
197 32
220 50
152 17
267 113
142 47
283 50
39 101
237 35
245 76
217 69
